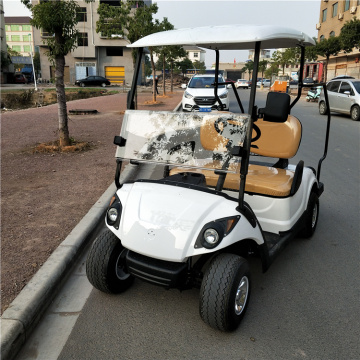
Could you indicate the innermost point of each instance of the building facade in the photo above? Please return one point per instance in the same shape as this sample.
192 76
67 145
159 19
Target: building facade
333 16
94 55
19 34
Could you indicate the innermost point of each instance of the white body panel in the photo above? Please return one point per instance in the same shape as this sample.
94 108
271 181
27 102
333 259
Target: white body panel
164 221
277 215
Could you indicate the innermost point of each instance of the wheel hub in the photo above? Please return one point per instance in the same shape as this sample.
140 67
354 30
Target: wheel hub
241 295
314 216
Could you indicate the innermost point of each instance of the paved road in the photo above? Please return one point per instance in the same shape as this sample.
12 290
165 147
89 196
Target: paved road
305 307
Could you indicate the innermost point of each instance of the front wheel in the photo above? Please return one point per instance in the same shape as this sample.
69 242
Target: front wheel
82 84
105 265
322 108
225 292
355 113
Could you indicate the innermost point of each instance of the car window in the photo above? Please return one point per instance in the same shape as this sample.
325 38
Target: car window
333 86
356 85
91 77
204 82
345 86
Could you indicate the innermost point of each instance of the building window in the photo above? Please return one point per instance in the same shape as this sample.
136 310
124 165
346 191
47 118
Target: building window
83 39
15 37
16 48
27 48
26 38
335 9
114 51
332 34
15 27
196 55
347 5
82 15
7 38
26 28
322 37
324 13
111 2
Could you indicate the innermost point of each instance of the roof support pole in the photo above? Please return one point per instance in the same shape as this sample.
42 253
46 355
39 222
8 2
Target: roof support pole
217 62
131 93
253 117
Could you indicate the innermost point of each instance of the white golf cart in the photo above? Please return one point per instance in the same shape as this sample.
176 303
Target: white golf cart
214 204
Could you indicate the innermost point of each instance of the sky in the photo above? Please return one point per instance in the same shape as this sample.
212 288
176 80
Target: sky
301 15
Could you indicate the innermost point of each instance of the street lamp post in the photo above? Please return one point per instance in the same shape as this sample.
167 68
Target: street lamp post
32 62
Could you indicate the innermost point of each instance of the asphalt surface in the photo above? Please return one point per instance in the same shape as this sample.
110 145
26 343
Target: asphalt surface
305 307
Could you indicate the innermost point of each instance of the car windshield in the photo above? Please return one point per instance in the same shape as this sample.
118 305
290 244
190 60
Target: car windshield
357 86
191 140
204 82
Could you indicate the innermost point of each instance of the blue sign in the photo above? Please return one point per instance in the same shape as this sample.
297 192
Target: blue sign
204 109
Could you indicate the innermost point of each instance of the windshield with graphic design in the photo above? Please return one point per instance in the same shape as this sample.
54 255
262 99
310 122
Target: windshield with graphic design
191 140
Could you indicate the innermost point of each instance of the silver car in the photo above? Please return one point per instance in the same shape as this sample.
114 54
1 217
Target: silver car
344 97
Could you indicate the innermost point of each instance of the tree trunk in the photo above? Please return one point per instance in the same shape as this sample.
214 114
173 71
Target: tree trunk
61 100
154 75
164 91
172 78
326 67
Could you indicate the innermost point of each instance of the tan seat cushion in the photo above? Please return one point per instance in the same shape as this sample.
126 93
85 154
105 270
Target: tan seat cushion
261 180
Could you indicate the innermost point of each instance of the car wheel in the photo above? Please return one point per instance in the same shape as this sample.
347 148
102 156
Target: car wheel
311 217
225 292
82 84
322 108
103 84
355 113
105 266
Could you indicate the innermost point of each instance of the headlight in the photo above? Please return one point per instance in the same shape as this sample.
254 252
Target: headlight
213 232
188 95
113 213
211 236
223 96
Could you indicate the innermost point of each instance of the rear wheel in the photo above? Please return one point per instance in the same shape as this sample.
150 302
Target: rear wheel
82 84
355 113
103 84
322 108
225 292
105 265
311 217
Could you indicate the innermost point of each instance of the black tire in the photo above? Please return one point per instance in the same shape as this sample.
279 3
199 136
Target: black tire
82 84
322 108
104 267
221 305
103 85
312 216
355 113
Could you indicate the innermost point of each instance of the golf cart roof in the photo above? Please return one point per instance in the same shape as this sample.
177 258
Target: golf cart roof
229 37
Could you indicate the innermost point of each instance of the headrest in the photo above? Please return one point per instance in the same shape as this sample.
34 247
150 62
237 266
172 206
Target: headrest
277 107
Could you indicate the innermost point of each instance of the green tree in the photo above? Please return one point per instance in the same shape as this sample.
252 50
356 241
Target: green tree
184 64
328 47
272 69
262 67
59 18
249 67
350 35
174 52
290 56
199 65
310 52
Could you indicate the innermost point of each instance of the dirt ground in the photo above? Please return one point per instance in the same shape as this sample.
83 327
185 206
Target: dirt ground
44 196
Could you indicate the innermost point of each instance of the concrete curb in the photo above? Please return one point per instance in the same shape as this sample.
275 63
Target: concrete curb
24 313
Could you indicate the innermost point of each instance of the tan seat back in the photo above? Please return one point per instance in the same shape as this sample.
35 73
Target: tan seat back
278 140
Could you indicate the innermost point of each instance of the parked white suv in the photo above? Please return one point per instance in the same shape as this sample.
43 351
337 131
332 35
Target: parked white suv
199 94
242 84
344 97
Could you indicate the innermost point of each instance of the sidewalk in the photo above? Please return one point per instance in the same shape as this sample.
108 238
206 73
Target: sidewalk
24 126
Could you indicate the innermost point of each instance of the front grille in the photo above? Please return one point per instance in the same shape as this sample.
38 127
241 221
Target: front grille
158 272
208 100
